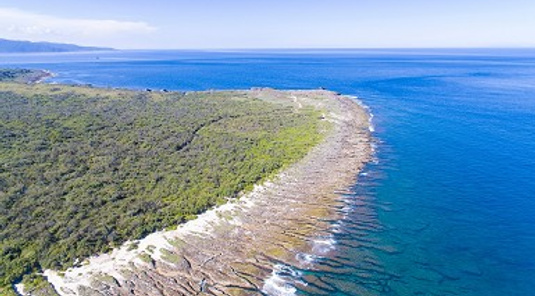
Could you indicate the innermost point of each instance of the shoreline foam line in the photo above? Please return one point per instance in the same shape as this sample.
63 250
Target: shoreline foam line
235 247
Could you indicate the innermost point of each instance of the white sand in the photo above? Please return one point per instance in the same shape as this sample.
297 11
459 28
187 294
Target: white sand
119 259
19 288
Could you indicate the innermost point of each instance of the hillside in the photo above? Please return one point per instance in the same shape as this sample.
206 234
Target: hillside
83 170
14 46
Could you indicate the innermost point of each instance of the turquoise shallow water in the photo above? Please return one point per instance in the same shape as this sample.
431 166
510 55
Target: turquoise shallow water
447 208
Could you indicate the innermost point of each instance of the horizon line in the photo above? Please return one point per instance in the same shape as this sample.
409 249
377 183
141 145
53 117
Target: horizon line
325 48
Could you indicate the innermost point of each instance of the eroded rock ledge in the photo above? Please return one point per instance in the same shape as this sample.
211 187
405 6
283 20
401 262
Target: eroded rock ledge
231 250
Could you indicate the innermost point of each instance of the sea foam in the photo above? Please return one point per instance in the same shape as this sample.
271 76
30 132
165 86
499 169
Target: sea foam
279 283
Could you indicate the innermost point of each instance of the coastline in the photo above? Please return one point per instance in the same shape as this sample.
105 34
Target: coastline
44 75
235 247
36 76
26 76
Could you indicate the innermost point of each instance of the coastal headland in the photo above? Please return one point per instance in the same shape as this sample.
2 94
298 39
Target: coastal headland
29 76
234 248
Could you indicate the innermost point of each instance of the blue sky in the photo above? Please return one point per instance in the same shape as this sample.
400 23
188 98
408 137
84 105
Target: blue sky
213 24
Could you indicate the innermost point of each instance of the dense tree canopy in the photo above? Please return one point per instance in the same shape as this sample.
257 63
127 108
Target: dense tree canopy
82 170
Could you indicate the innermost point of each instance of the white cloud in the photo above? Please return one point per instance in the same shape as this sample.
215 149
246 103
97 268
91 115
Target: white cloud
23 25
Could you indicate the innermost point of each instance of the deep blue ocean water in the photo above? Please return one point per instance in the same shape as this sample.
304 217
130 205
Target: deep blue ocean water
447 208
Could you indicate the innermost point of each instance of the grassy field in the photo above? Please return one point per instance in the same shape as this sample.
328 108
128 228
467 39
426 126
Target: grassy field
83 169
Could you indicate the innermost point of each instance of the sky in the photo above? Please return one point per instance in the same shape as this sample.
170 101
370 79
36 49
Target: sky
222 24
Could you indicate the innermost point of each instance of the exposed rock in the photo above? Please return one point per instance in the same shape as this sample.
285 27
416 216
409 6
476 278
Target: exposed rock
268 226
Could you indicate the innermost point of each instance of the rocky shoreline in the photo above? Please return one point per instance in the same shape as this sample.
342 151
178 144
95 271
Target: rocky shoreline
41 76
233 249
27 76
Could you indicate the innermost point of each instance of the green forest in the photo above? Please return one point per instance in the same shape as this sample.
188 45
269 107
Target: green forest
83 169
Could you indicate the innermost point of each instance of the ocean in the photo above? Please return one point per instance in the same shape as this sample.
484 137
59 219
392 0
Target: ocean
447 207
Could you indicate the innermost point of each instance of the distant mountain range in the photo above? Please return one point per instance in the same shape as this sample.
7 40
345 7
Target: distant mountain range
28 46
